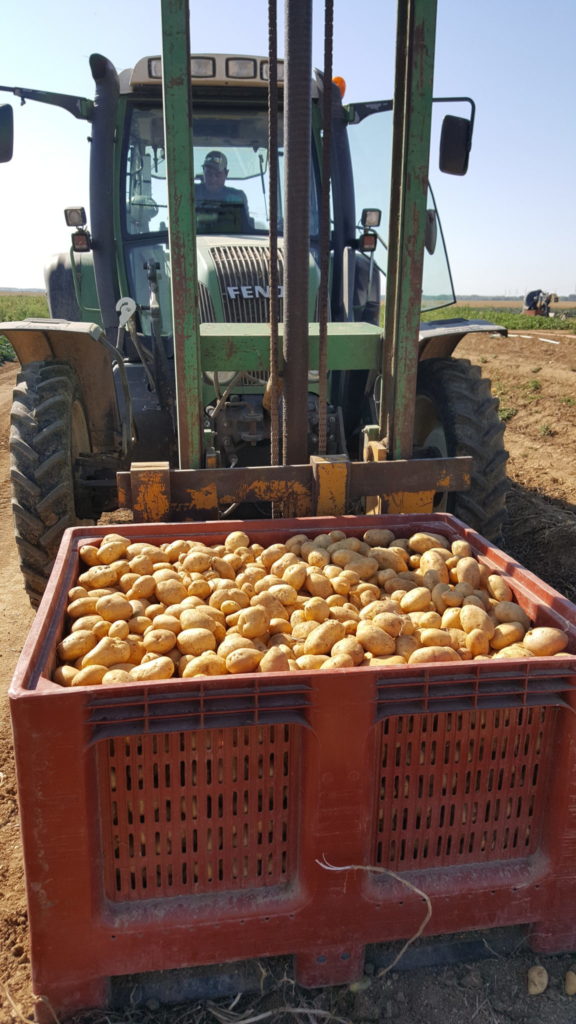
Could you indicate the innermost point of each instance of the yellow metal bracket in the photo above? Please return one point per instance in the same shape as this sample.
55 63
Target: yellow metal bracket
330 474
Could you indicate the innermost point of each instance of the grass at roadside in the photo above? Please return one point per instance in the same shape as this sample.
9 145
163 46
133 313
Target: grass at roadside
513 321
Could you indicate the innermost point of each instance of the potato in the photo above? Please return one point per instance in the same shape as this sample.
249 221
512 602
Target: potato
337 661
468 571
243 659
116 675
545 641
76 644
433 561
388 559
349 646
435 637
433 654
98 576
422 542
323 637
119 629
498 588
196 640
253 622
91 675
509 611
82 606
274 660
318 585
478 642
513 651
108 651
207 664
158 668
113 607
374 639
159 641
472 617
416 600
64 674
378 538
507 633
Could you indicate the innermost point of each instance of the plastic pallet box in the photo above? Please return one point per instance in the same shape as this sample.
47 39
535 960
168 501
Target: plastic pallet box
179 823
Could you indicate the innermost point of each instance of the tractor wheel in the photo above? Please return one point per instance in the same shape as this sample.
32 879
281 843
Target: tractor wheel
456 414
48 430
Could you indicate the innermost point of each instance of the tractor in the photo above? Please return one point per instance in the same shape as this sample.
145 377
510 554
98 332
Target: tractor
214 351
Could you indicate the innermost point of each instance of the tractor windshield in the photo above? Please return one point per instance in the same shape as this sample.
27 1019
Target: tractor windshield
231 163
232 189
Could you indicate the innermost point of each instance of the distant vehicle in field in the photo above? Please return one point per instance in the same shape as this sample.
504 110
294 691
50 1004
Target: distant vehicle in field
537 303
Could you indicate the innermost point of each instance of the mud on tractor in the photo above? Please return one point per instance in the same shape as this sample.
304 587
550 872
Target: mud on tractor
178 342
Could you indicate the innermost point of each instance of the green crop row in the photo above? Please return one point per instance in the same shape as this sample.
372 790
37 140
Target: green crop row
18 306
503 317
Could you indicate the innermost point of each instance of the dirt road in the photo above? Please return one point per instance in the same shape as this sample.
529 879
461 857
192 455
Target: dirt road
536 382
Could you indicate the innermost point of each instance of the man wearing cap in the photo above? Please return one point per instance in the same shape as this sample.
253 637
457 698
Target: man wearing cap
213 187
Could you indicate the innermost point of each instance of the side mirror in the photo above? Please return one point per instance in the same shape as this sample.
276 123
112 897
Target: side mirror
6 133
455 144
431 235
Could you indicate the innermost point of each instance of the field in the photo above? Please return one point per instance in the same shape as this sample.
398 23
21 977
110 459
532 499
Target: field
534 375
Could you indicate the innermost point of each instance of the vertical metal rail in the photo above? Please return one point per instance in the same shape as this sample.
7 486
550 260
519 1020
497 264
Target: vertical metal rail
297 127
273 207
325 230
416 34
177 98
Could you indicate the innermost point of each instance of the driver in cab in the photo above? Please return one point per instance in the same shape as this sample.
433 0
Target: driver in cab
213 187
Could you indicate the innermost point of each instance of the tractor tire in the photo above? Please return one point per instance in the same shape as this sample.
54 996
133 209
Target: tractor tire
48 430
456 414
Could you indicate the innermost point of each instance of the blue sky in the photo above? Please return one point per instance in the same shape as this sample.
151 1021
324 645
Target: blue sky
510 224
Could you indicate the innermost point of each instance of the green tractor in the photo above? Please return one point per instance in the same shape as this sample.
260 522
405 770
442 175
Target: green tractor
98 390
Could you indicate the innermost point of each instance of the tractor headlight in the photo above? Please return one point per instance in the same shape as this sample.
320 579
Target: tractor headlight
219 376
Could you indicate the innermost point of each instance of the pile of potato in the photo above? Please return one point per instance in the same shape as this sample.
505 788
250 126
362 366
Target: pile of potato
141 612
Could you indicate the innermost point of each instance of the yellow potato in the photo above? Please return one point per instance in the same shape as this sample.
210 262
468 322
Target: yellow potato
113 607
435 637
509 611
337 661
108 651
350 647
253 622
378 538
423 541
243 659
116 675
545 641
323 637
513 651
207 664
82 606
311 662
274 660
374 639
159 641
64 674
91 675
416 600
472 617
76 644
158 668
196 641
507 633
478 642
468 571
318 585
433 654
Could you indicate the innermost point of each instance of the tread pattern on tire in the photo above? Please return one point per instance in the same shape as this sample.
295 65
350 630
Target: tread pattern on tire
469 414
42 482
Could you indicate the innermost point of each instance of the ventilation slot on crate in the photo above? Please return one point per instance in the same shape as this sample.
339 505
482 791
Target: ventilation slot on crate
462 788
476 685
198 812
196 705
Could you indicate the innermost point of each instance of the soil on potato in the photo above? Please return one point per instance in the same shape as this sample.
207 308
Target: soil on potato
535 380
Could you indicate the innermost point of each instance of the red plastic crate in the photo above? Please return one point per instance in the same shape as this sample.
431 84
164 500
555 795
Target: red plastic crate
181 823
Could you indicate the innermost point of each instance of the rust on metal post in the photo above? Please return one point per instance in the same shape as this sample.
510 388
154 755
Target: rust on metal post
330 475
150 491
177 97
374 451
410 158
297 127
